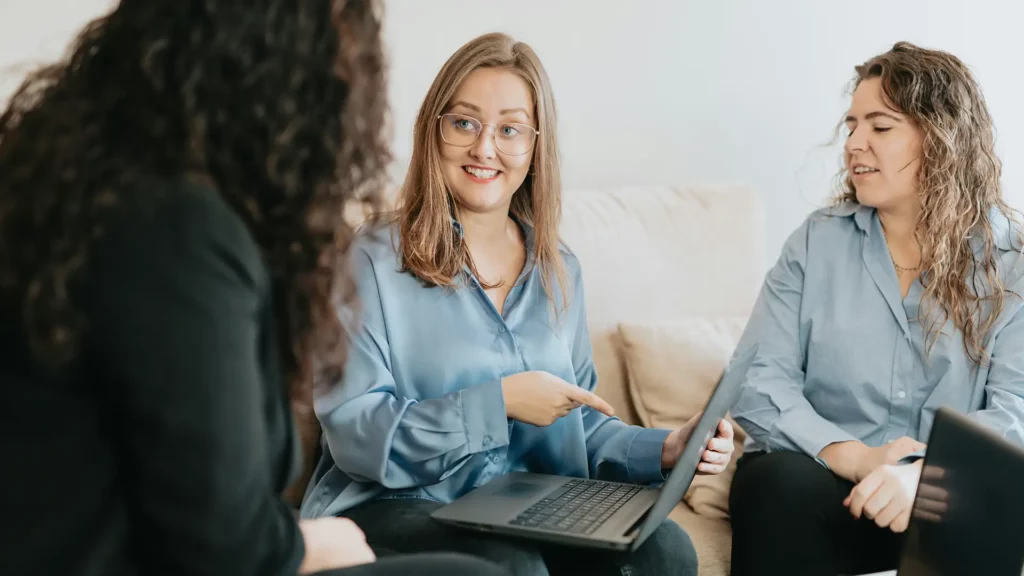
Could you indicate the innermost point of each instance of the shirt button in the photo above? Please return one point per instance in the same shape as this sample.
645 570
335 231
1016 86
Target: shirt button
487 440
501 328
902 394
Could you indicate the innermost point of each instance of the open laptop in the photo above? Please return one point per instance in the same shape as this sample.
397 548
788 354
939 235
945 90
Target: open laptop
968 515
594 513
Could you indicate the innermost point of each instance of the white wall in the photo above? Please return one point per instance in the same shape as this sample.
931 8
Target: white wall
34 32
670 91
737 91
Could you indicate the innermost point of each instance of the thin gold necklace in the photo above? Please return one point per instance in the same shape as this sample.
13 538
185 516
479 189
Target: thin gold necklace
899 269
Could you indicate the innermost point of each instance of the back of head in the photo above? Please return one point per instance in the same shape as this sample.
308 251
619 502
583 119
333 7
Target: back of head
430 247
278 102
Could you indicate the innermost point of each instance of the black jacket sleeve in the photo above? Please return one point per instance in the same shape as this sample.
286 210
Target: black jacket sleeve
176 292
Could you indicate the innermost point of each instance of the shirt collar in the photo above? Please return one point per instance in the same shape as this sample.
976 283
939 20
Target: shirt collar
862 215
1004 231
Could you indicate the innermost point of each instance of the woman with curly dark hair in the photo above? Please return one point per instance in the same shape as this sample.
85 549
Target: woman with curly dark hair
172 256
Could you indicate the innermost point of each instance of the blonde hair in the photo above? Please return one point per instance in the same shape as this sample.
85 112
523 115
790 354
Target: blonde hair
430 247
958 187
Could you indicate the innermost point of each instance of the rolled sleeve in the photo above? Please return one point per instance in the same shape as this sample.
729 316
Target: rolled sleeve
810 432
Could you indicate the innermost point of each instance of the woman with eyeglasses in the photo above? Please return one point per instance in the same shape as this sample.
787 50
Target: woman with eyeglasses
472 357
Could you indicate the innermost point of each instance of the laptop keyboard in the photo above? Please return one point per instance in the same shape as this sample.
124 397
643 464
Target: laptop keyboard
581 508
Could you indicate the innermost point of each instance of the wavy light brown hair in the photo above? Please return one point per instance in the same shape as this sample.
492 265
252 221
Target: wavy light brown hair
958 186
431 248
278 102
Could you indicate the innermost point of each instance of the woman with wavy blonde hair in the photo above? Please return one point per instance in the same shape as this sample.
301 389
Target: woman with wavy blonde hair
902 297
472 358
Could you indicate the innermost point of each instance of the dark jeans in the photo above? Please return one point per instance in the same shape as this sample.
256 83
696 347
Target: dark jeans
404 525
422 565
788 519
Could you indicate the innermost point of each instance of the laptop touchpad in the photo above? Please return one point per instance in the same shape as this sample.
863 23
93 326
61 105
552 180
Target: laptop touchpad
521 489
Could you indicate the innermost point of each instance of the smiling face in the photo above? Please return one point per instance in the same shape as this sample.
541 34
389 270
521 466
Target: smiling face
498 104
883 150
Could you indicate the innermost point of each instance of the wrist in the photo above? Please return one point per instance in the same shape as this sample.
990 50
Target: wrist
507 398
844 458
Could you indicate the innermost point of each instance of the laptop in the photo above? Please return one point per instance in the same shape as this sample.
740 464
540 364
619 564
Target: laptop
594 513
968 514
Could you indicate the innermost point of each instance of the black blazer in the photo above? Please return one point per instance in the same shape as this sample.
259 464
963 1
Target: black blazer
165 448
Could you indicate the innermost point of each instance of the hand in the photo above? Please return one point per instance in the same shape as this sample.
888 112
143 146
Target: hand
853 460
333 543
540 398
888 454
886 495
717 453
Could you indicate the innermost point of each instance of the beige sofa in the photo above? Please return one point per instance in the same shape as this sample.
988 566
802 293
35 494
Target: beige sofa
670 277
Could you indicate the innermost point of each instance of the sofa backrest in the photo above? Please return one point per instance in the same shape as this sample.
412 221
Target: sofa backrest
652 255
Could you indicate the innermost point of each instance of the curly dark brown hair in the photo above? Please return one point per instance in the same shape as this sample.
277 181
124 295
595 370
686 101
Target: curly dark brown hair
280 102
959 187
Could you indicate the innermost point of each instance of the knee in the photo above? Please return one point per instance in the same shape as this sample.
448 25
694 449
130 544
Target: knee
452 564
669 550
787 481
518 559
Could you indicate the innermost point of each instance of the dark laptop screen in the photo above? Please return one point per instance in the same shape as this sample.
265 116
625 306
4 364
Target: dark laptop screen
968 517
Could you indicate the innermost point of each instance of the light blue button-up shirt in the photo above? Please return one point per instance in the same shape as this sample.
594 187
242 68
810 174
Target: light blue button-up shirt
420 411
842 355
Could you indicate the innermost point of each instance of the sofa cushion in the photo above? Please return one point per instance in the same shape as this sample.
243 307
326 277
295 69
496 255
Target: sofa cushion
672 370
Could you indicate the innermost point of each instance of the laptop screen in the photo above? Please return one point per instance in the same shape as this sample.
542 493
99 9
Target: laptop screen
968 516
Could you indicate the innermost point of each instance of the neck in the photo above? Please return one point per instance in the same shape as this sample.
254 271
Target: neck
899 225
485 229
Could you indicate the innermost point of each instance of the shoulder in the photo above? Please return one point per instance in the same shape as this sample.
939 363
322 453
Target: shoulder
828 228
177 222
573 267
376 245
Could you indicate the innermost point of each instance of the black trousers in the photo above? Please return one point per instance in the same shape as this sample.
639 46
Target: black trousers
421 565
788 519
404 525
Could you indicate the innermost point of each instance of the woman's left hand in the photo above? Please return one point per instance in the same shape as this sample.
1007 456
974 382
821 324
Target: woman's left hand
886 495
717 453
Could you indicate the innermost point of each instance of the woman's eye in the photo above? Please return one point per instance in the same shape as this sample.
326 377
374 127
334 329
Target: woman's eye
509 131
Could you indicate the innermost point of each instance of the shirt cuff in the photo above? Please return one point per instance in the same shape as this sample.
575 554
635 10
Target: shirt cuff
483 413
813 434
911 458
643 458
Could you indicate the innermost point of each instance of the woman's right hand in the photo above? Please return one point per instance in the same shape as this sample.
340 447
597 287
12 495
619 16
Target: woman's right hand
540 398
333 543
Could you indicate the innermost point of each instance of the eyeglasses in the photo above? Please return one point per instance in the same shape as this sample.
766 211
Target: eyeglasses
512 139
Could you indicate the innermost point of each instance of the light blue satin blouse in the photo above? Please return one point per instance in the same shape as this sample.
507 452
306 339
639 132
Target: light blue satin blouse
842 354
420 411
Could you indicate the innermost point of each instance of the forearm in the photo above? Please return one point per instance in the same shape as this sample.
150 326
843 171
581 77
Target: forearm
844 458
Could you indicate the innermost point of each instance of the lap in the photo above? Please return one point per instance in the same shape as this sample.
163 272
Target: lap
787 505
422 565
405 526
667 551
